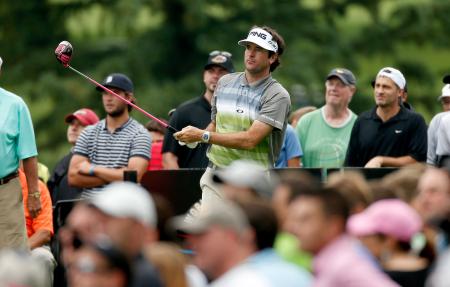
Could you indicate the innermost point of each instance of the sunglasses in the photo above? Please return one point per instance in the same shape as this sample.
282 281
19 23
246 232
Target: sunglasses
223 53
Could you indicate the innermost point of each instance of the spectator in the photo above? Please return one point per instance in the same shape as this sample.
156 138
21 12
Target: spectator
298 114
254 127
354 187
265 260
221 239
40 228
433 204
386 228
286 244
404 182
58 185
169 262
197 113
324 134
291 151
157 132
403 100
100 264
389 134
117 143
17 143
129 219
257 183
438 136
21 270
320 219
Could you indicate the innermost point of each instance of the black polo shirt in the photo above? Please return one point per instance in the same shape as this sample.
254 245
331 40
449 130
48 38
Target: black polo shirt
197 113
404 134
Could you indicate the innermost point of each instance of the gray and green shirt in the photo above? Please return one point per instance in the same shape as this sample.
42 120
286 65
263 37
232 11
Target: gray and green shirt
237 104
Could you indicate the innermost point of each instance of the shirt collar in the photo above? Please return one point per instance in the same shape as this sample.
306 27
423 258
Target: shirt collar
127 123
401 115
258 83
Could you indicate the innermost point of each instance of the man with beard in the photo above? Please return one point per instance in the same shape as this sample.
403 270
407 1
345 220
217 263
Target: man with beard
195 112
389 135
117 143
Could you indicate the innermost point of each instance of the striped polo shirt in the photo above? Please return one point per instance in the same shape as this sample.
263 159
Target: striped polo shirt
112 150
236 104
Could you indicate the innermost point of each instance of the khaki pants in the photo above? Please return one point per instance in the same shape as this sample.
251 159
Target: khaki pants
210 193
13 232
45 256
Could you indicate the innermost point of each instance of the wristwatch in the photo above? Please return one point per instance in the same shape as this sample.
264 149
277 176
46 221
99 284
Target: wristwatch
36 194
205 137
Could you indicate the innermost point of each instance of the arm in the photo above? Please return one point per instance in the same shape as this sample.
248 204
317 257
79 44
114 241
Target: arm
30 169
294 162
78 179
106 174
39 238
240 140
170 161
388 161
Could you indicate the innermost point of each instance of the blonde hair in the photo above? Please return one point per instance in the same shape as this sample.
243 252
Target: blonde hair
404 181
353 186
169 262
297 114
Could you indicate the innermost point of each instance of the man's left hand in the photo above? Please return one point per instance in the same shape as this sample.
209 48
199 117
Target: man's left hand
189 134
34 205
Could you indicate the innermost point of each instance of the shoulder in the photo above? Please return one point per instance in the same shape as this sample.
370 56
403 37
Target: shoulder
11 98
311 116
188 104
137 127
230 78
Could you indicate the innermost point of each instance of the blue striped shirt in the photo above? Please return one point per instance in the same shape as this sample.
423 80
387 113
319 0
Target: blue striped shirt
113 150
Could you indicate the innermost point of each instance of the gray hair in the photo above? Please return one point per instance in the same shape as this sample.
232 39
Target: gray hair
20 268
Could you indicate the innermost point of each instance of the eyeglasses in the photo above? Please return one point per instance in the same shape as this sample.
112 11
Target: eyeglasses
223 53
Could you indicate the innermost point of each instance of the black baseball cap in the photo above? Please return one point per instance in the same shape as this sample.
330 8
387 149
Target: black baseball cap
221 59
345 75
446 79
118 81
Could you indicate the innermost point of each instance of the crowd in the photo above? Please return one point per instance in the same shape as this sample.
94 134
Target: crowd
254 225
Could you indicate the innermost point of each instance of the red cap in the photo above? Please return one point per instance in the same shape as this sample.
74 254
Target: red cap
85 116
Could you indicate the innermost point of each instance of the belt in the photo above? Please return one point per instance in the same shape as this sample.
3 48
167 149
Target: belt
7 178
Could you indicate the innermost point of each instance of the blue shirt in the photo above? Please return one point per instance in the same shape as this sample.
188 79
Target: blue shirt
291 148
277 271
17 140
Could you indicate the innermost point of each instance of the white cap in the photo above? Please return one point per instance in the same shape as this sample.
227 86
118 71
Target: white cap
261 38
126 200
445 91
393 74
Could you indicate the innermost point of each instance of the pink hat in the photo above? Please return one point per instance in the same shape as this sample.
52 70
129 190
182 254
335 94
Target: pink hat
391 217
85 116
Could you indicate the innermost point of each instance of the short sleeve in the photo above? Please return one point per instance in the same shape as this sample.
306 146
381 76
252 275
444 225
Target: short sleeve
26 143
141 145
275 108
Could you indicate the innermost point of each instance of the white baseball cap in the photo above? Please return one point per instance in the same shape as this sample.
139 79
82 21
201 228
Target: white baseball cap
126 200
393 74
445 91
261 38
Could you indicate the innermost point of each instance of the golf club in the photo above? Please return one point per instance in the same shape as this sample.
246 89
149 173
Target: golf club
63 54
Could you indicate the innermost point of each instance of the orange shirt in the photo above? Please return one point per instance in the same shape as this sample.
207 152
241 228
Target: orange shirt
45 218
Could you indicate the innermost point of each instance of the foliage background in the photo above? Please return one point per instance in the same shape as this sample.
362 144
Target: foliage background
163 44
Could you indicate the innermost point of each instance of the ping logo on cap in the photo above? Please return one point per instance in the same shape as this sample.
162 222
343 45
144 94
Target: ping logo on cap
261 38
258 34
